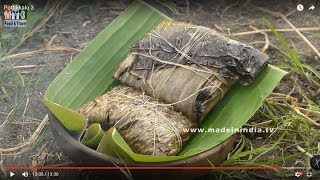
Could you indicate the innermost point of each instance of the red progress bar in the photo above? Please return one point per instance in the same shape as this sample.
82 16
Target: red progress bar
143 168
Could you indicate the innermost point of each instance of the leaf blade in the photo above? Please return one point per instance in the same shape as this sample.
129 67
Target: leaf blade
227 112
121 149
77 79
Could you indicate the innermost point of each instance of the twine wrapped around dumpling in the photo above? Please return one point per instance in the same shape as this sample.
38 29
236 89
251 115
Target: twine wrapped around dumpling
148 126
190 67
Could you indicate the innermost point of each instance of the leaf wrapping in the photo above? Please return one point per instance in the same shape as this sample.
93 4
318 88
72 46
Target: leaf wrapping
188 66
148 126
89 76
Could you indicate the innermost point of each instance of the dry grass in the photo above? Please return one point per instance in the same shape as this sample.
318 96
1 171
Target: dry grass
19 147
25 73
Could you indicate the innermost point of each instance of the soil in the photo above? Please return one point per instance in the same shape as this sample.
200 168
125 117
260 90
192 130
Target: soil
79 22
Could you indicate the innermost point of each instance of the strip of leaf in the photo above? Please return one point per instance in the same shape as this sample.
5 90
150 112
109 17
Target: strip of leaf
113 144
93 136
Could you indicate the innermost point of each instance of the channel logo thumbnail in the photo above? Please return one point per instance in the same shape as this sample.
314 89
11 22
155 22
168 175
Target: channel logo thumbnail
15 15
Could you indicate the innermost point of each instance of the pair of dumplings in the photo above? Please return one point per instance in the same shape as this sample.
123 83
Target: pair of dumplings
175 74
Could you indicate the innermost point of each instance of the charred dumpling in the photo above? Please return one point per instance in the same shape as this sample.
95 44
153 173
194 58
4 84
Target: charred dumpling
189 69
188 66
148 126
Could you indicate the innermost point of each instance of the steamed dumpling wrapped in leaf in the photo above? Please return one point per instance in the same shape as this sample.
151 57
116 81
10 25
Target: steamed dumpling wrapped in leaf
188 66
148 126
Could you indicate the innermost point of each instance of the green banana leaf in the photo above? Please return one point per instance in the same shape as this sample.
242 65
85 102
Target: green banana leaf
234 110
113 144
93 136
90 75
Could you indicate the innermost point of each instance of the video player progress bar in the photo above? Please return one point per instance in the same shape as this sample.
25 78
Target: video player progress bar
148 168
295 168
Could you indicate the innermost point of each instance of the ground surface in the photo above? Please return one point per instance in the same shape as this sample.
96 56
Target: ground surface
62 32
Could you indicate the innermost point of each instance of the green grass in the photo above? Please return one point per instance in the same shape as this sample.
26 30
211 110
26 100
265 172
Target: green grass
292 129
19 85
21 88
293 58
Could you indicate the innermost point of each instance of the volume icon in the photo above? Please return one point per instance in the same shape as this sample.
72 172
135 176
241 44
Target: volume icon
25 174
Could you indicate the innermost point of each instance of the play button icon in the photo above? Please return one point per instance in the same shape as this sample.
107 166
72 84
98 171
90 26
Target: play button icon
11 174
